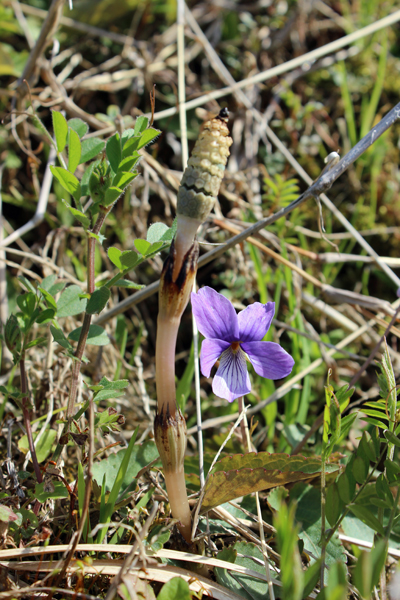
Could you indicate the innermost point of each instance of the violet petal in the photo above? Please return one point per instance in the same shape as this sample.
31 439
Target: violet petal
232 379
269 360
255 320
215 316
211 350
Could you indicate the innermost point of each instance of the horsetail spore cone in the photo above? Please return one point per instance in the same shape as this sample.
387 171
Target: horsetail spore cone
202 179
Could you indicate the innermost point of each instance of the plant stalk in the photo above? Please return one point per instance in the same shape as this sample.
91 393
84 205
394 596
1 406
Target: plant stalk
27 419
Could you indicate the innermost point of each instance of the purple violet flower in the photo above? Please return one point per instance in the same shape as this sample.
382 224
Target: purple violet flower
234 338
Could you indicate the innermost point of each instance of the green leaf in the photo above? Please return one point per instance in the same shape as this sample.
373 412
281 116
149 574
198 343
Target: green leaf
142 246
126 283
37 342
368 568
60 127
114 254
123 179
128 133
148 136
129 162
175 588
91 148
74 151
70 303
60 338
360 469
79 126
45 316
142 455
59 491
243 553
391 438
308 513
106 512
111 196
98 300
141 124
51 303
129 258
156 232
239 475
79 216
154 248
113 151
68 181
27 303
334 504
346 486
96 336
43 447
7 515
365 515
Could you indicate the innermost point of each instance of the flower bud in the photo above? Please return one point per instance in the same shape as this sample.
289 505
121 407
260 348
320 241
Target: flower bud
99 182
170 437
12 335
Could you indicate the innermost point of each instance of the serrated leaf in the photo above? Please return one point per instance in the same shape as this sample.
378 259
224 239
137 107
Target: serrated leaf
68 181
79 126
107 394
74 151
123 179
60 338
148 136
142 246
118 384
113 151
91 148
111 196
70 303
129 162
114 254
239 475
60 128
98 300
141 124
97 336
